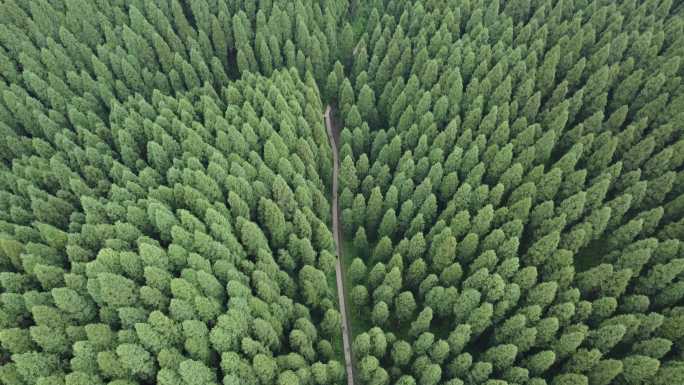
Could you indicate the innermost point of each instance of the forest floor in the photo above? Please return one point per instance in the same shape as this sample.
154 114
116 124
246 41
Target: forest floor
334 136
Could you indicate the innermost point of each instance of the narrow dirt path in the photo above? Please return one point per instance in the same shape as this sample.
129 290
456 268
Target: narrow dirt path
333 135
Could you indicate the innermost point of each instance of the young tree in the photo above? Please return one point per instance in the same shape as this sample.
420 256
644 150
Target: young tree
540 362
357 270
361 242
274 219
422 322
380 313
366 103
359 296
401 353
443 255
332 322
638 369
405 306
388 224
501 356
605 371
431 375
348 178
346 42
374 209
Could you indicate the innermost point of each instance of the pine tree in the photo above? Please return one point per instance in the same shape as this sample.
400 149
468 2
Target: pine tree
638 368
388 224
345 98
348 177
380 313
346 41
366 103
361 242
374 209
359 296
357 270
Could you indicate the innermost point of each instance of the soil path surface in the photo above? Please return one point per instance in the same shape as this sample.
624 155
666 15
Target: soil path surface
334 135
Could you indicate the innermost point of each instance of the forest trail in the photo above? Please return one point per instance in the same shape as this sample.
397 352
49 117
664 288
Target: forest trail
334 135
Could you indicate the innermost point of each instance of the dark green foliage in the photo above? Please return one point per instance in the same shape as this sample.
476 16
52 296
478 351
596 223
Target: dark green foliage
549 181
510 189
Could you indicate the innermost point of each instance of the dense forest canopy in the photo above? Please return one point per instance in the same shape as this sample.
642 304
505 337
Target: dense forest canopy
511 192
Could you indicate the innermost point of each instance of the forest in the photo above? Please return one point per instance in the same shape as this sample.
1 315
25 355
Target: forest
509 206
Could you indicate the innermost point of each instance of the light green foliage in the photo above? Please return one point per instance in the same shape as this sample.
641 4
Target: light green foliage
380 313
136 360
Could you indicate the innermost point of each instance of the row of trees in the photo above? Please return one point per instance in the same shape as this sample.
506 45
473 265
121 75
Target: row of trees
511 182
164 208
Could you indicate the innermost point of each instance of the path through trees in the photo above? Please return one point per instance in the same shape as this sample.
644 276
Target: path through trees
333 135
